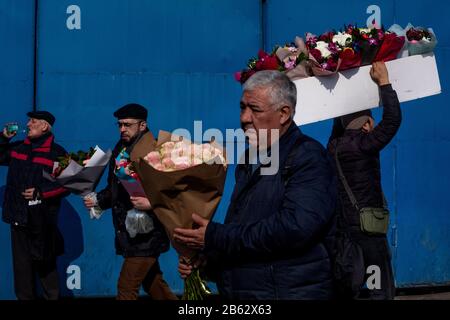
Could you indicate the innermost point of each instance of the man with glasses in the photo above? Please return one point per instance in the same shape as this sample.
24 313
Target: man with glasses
140 267
31 206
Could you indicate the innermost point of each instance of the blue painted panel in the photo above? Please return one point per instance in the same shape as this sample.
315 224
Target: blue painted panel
16 91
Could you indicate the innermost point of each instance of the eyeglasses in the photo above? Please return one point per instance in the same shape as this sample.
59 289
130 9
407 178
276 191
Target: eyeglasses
127 124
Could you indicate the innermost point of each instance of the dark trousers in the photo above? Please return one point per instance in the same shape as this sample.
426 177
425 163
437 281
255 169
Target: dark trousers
26 269
376 252
145 272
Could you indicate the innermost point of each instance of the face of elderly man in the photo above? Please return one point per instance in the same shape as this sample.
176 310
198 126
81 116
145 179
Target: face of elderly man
37 128
258 112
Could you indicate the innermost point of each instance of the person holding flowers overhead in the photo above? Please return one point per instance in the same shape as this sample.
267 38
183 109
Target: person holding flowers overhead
355 144
141 251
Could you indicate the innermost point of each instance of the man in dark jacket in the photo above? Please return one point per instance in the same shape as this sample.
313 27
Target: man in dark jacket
31 206
140 267
274 243
358 146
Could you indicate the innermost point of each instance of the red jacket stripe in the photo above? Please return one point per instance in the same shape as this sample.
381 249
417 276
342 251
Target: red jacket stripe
19 156
53 193
47 143
43 161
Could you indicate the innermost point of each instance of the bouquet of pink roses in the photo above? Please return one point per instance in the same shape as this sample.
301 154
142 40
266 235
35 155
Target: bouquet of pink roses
181 178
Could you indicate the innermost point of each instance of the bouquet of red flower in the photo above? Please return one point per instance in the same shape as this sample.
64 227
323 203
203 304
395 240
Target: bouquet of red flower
328 53
418 40
80 157
290 59
80 172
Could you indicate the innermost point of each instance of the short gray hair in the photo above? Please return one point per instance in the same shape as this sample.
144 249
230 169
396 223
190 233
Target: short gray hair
283 91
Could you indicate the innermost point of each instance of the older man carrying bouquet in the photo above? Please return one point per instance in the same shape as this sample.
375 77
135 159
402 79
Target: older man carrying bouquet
275 239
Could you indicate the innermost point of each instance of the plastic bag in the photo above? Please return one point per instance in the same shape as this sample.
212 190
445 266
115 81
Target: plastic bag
138 222
94 212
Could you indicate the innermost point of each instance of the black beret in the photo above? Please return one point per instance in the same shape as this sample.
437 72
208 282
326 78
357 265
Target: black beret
131 111
42 115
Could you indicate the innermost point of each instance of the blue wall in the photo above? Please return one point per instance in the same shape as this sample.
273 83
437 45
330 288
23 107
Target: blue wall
177 58
16 92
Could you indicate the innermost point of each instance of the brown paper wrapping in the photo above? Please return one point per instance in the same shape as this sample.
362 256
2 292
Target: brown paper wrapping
176 195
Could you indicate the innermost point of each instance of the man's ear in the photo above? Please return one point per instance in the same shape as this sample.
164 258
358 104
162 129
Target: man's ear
143 125
285 114
368 126
46 127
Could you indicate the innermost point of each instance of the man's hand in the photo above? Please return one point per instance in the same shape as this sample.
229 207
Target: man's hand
141 203
89 202
28 194
379 73
8 135
192 238
185 266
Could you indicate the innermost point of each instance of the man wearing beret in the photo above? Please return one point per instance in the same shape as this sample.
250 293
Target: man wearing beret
31 206
140 267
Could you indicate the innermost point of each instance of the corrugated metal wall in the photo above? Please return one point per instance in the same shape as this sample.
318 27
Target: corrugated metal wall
177 57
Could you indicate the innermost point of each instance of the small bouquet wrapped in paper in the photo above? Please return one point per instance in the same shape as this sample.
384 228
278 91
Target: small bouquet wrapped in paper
181 178
419 40
80 173
136 221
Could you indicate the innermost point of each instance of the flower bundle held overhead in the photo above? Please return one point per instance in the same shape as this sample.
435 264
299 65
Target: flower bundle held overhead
284 59
330 52
181 178
420 40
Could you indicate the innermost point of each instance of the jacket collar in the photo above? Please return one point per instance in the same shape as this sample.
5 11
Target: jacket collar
44 141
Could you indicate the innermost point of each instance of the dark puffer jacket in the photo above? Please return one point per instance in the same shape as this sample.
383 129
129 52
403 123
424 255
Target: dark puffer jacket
27 160
359 156
114 196
273 244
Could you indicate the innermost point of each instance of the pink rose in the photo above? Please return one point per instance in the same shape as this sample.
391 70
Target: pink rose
182 163
153 158
168 163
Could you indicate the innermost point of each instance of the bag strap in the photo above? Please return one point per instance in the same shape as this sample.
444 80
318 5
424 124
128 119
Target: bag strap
347 188
344 181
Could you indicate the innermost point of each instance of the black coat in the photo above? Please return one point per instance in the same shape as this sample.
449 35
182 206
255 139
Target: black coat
115 196
27 160
359 156
273 244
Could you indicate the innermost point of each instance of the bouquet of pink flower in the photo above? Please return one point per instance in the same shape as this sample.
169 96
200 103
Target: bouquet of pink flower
181 178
